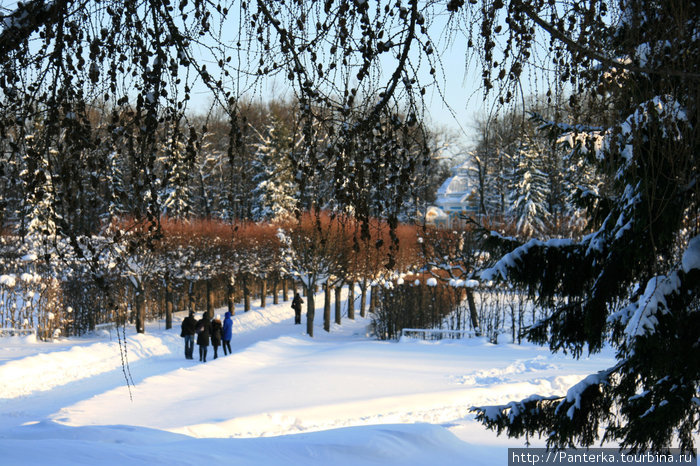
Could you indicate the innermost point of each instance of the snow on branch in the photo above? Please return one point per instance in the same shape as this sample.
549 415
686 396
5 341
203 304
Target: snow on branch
514 409
526 415
639 317
691 256
574 394
25 14
619 138
513 258
25 20
559 128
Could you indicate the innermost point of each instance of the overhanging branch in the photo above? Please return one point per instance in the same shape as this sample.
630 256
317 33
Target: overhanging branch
611 62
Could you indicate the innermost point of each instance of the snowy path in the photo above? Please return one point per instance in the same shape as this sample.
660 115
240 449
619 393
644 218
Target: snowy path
36 379
264 394
277 382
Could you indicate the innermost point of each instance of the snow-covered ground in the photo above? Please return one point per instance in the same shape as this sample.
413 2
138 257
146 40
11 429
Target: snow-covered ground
341 398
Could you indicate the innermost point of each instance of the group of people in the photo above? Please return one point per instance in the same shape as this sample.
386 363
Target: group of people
206 331
216 332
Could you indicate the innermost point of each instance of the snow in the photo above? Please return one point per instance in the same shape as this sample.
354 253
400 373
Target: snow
691 256
573 395
456 185
8 280
512 259
282 397
639 317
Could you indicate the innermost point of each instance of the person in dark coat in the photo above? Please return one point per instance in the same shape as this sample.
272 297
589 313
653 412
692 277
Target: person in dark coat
227 333
188 326
203 332
296 305
216 335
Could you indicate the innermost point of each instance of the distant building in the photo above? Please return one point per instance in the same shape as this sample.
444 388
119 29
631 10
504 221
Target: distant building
456 199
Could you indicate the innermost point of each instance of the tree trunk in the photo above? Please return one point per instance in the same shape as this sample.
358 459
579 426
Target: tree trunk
310 311
210 299
91 320
140 309
161 302
231 295
181 302
351 300
327 308
168 305
363 298
285 290
472 312
338 307
263 292
191 297
521 312
275 291
246 295
373 298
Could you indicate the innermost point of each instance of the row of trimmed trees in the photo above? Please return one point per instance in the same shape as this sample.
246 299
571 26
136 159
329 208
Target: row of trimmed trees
204 264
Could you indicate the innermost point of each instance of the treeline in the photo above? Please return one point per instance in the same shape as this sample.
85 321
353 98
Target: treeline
205 264
526 176
249 169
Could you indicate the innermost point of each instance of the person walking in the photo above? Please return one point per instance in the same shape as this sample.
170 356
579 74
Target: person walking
296 305
227 333
188 326
216 335
203 332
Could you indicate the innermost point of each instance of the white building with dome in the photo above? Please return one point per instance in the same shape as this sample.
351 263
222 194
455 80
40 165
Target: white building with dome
456 199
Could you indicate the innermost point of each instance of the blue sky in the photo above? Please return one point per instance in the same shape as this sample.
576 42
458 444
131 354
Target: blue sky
459 85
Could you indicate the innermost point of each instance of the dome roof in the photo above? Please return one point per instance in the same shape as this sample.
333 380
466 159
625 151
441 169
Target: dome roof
453 186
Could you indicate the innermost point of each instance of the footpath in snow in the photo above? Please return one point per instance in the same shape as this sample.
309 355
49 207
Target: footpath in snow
280 398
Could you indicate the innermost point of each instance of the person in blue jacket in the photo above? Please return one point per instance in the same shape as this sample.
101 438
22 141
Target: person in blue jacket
227 333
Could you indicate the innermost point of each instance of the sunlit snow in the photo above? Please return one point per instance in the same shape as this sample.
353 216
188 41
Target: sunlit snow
341 398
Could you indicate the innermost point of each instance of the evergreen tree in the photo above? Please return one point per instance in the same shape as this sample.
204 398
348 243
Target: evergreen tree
215 193
12 199
530 188
633 281
275 190
494 161
177 194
